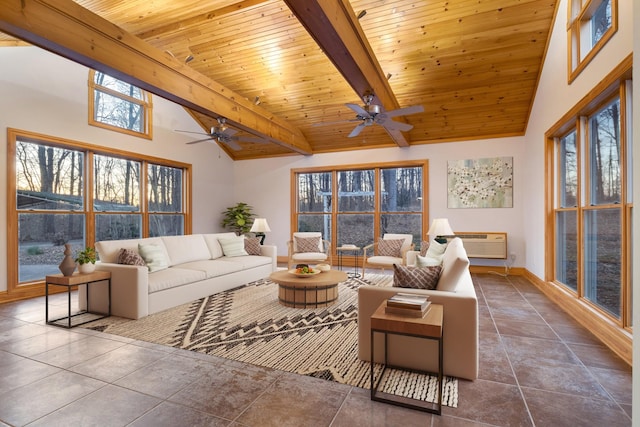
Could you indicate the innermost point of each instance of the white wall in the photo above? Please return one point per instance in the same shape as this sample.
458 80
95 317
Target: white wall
44 93
554 98
265 184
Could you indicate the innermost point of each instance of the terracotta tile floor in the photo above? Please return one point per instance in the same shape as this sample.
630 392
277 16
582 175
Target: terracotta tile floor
537 367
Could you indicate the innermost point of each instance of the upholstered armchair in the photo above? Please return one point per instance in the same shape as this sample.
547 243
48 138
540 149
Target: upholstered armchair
391 249
308 247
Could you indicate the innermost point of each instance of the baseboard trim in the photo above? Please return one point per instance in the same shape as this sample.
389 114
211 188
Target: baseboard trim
619 340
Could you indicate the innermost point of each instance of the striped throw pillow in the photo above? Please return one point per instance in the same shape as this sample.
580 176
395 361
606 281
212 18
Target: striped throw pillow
416 277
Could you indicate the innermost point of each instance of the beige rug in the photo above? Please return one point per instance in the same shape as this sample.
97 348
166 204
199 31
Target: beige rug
248 324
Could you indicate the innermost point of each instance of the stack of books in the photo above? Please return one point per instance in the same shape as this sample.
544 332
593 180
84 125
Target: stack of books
408 305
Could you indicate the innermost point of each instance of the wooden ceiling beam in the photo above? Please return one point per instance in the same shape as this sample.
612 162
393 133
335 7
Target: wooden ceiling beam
66 28
334 26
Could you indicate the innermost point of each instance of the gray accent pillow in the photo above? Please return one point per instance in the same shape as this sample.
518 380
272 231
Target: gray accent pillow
416 277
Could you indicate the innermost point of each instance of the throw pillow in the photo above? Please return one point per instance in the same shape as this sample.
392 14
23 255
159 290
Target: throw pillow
424 246
233 246
390 247
153 256
307 244
425 261
252 245
416 277
436 250
129 257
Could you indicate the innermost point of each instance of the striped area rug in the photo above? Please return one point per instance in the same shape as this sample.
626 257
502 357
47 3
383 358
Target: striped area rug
249 325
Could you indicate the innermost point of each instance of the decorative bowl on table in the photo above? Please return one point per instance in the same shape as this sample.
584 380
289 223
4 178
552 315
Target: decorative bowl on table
307 272
323 267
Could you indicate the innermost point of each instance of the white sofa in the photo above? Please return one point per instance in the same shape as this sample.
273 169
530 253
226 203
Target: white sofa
456 293
197 267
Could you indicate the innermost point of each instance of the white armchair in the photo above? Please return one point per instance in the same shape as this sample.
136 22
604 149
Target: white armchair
308 247
382 255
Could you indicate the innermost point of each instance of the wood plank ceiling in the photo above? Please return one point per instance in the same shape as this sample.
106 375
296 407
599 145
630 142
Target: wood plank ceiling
472 64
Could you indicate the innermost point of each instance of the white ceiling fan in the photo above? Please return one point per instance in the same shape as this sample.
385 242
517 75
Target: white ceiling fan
225 135
370 114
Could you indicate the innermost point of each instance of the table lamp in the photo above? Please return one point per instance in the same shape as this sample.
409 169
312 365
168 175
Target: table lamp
260 227
439 229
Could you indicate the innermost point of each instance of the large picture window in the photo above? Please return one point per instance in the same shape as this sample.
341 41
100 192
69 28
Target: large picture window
592 202
358 204
69 192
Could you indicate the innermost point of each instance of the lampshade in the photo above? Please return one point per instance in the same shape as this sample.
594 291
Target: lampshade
440 227
260 226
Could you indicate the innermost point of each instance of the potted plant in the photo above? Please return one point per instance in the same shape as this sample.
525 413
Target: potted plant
86 260
238 218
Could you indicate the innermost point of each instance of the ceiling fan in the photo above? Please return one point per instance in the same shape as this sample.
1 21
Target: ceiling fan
225 135
372 113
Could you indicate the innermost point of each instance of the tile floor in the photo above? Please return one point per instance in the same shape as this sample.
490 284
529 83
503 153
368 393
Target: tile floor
537 367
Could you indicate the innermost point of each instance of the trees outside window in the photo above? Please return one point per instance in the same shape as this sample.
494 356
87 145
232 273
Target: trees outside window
592 203
591 24
118 105
370 201
69 192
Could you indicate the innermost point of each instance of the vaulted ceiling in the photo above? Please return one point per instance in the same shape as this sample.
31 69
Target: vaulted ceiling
284 70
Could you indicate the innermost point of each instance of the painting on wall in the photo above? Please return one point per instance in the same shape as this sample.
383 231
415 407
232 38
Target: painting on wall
480 183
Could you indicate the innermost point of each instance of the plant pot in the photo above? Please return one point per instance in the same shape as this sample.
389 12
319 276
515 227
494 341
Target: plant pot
86 268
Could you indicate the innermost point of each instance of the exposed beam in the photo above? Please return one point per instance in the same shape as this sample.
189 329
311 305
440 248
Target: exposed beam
334 26
65 28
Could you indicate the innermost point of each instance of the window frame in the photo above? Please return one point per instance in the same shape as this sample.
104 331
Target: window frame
612 330
377 212
146 103
579 15
18 290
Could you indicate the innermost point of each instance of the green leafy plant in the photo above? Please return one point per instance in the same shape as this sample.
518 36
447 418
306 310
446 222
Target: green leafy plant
86 256
238 218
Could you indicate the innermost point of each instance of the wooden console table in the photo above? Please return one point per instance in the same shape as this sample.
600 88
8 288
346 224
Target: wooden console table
71 281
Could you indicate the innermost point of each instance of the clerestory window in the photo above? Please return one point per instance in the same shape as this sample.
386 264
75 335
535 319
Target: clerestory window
591 24
118 105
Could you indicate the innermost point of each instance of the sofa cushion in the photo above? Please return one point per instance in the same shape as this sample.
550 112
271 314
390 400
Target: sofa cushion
214 245
252 245
390 247
154 257
416 277
190 247
233 246
454 263
130 257
173 277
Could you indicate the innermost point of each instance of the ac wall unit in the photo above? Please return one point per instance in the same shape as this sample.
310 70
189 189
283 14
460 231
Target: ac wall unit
484 245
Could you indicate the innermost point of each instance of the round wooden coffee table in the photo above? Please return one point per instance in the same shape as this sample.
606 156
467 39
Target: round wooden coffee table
320 290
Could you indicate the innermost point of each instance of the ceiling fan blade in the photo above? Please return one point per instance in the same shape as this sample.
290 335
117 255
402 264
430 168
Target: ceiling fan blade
255 140
393 125
228 132
359 110
199 140
231 144
188 131
405 111
356 131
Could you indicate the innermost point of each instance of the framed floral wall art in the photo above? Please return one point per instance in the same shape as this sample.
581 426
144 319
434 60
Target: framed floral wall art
480 183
